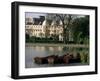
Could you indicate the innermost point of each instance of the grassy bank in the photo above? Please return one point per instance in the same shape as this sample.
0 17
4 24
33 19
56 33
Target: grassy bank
67 45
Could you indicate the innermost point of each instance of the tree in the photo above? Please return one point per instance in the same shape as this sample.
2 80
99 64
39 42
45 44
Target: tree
41 34
66 20
81 29
27 36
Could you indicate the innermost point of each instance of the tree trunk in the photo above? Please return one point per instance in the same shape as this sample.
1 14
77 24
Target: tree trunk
64 35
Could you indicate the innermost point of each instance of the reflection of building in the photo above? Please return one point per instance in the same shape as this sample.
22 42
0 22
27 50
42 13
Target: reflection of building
41 27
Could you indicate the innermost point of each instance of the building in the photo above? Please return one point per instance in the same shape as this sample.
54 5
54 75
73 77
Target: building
44 28
29 21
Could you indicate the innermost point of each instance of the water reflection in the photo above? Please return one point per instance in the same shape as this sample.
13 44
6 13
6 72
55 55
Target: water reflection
42 51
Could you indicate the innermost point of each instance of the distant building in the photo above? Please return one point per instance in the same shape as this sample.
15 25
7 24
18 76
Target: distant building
41 27
29 21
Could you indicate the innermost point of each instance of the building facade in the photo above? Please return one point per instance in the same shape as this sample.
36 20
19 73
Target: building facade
45 29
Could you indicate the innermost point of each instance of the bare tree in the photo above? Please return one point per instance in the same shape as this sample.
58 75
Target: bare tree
66 20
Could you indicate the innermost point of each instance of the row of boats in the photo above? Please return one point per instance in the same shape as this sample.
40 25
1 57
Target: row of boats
56 59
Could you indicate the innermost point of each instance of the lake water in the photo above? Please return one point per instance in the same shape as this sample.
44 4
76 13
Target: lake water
32 51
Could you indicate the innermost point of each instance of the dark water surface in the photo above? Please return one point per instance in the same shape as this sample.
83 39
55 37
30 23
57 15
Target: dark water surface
32 51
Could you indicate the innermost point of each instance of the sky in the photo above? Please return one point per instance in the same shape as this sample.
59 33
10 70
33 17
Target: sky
37 14
34 14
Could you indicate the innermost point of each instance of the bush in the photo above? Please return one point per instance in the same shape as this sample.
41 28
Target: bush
34 39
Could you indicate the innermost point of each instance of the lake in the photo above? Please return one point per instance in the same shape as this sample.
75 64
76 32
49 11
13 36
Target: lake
32 51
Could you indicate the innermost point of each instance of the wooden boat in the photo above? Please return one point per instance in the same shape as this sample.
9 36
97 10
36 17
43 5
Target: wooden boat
55 59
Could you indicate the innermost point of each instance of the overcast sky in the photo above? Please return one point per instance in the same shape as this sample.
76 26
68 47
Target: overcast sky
34 14
37 14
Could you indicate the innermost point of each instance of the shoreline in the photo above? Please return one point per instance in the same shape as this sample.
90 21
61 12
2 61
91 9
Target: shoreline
47 44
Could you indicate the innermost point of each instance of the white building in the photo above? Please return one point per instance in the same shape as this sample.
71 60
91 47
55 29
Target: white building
45 29
29 20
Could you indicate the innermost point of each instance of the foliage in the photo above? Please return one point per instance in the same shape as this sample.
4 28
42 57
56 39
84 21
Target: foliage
81 29
34 39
